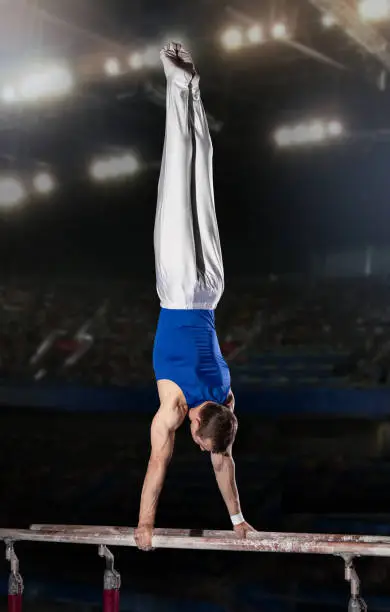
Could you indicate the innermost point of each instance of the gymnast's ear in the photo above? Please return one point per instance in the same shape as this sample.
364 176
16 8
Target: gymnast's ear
198 419
230 402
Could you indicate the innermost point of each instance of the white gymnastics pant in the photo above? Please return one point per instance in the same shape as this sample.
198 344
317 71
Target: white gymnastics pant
189 266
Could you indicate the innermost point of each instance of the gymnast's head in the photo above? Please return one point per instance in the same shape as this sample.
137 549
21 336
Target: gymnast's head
213 427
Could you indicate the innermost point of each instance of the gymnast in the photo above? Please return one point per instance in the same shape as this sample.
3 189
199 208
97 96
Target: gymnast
192 377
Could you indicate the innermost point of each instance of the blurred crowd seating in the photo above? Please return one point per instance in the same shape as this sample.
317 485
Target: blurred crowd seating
273 331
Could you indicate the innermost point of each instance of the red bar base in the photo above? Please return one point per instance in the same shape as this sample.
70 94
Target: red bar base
15 603
110 600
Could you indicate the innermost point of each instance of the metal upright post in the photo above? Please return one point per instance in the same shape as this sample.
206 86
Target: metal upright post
112 582
15 582
356 603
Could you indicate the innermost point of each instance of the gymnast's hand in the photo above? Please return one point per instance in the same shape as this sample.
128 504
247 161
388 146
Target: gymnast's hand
243 529
179 65
143 537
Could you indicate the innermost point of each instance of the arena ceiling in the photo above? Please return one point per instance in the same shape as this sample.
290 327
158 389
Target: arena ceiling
337 69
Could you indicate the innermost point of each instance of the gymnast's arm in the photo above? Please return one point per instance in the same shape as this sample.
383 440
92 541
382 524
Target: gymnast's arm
225 474
167 420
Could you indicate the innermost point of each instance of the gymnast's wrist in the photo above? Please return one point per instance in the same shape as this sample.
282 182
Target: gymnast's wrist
145 526
237 519
146 522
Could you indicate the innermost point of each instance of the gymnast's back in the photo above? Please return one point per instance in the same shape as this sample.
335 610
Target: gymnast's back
187 352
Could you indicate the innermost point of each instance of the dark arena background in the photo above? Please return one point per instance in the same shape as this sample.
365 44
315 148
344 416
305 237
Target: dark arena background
298 105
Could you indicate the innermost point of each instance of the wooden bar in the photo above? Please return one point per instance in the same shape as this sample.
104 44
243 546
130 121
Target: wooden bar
322 544
213 533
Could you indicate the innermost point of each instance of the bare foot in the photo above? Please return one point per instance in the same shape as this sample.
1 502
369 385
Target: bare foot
178 65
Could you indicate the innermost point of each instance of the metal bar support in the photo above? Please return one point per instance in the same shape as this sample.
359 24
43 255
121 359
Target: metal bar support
15 581
112 582
356 602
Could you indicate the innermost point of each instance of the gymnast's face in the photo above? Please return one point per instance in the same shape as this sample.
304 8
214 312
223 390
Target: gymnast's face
203 443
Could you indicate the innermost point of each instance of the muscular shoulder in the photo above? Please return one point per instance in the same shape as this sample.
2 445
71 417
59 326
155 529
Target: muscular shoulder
171 414
169 391
167 420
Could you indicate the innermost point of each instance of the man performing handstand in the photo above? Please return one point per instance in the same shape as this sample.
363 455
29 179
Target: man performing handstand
192 376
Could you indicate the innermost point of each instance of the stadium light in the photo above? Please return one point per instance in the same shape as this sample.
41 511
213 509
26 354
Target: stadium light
128 164
136 61
42 82
151 56
328 20
301 134
313 132
112 67
279 31
374 10
53 81
43 183
317 131
8 94
255 34
235 38
283 137
99 170
12 192
232 39
335 128
114 167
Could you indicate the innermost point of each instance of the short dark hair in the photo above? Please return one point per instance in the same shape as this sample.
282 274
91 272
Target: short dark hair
218 423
